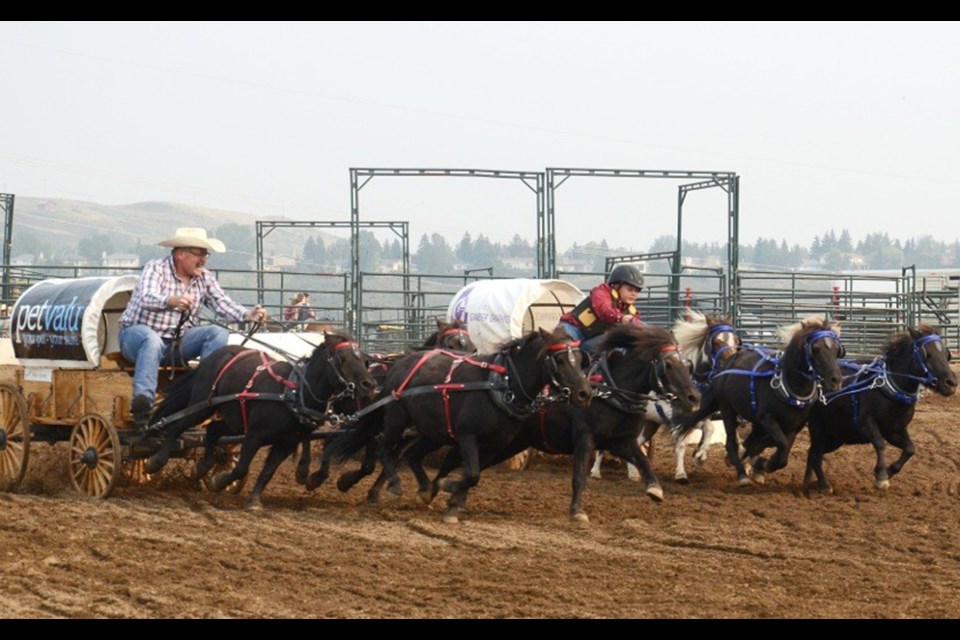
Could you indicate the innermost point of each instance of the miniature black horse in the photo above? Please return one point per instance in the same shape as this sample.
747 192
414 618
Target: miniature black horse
878 401
633 362
268 402
452 336
477 403
775 393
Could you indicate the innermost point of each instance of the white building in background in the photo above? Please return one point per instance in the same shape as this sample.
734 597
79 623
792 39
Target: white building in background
120 263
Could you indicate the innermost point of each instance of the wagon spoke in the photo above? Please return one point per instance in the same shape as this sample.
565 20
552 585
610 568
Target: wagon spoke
7 413
100 478
94 437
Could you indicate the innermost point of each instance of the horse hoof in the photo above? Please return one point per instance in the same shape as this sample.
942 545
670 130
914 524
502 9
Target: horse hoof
254 506
426 497
580 517
450 518
744 481
655 493
448 486
883 484
301 478
343 484
220 482
314 481
152 466
681 480
700 463
595 475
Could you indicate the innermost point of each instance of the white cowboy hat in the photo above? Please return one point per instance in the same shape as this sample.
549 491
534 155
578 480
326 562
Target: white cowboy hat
193 237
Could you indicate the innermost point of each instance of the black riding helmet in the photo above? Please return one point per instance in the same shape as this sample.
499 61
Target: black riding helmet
628 273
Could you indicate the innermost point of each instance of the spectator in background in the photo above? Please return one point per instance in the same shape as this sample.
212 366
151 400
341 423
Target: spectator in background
299 310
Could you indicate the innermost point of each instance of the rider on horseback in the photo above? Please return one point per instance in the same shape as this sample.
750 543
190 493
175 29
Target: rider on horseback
610 303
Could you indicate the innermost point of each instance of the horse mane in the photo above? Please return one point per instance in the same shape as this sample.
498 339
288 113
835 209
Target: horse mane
798 331
900 342
334 337
443 325
556 336
647 341
692 334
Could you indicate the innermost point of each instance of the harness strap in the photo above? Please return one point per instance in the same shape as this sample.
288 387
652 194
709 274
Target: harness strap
458 358
543 431
243 396
223 370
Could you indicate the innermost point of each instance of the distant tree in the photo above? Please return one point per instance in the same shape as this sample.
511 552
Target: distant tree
485 253
369 251
434 255
828 243
663 243
465 249
845 243
150 251
888 257
395 250
309 249
835 260
816 249
94 247
519 248
241 246
25 241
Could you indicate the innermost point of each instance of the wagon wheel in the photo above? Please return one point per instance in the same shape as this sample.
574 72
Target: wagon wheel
94 456
14 438
226 457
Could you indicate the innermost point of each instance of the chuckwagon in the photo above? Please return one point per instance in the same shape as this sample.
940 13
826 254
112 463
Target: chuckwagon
62 379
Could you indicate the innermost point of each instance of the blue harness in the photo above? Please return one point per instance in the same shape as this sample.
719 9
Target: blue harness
875 375
775 373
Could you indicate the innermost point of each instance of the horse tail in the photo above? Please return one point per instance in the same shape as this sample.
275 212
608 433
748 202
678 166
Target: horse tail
349 441
679 429
176 396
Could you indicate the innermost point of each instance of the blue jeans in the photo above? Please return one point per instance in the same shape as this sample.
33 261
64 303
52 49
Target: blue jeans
142 346
575 333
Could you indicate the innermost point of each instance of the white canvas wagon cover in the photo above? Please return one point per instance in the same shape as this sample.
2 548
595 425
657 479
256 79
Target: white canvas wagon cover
69 322
495 311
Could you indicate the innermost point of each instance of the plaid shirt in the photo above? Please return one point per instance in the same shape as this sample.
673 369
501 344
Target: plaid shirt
159 281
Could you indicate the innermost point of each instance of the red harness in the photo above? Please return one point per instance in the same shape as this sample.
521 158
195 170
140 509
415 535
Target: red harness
446 386
246 394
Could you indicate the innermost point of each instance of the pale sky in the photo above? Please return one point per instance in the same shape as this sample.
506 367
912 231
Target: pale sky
829 125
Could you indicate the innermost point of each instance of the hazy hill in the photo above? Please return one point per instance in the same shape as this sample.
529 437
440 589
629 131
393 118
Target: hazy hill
62 223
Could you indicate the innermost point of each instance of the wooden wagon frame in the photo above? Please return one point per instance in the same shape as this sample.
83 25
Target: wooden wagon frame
63 380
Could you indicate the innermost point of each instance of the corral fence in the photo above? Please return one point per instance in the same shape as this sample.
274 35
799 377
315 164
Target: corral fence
395 311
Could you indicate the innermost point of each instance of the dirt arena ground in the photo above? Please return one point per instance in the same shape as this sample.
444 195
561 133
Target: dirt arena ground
711 550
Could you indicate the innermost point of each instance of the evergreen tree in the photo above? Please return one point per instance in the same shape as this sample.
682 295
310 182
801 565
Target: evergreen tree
816 249
465 249
94 247
369 251
845 243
